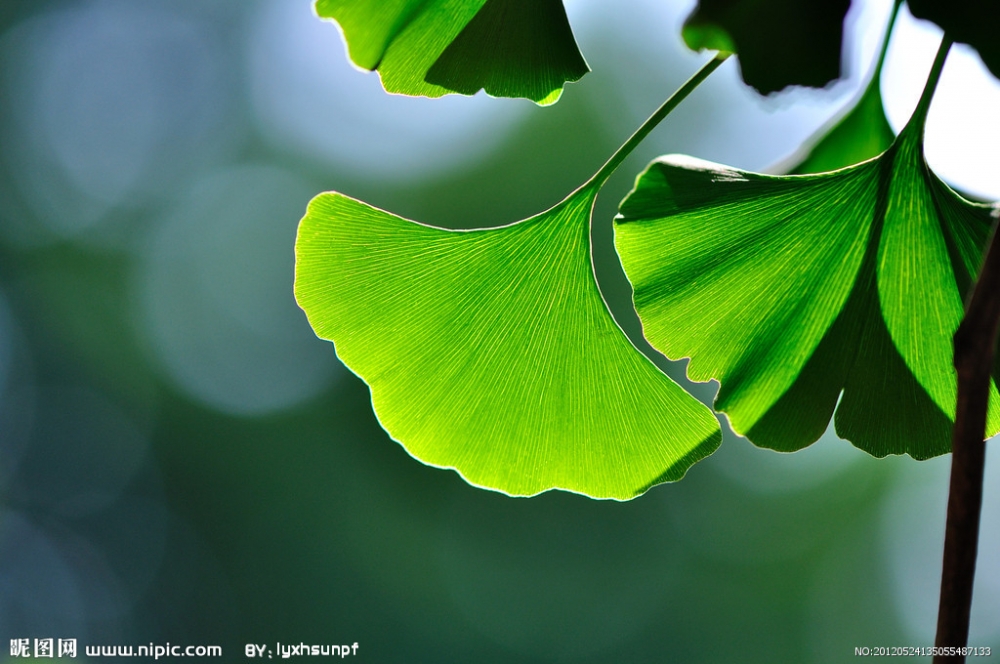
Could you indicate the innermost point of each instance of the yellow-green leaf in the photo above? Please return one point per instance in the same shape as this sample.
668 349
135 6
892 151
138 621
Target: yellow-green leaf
492 351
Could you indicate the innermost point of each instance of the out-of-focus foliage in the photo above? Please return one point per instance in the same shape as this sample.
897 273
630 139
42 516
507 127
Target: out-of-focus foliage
789 42
509 48
764 34
972 22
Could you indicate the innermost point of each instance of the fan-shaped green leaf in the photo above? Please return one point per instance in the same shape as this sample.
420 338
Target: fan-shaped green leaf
792 290
492 351
510 48
878 374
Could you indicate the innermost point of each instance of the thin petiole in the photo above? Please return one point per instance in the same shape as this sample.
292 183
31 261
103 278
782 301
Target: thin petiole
919 117
670 104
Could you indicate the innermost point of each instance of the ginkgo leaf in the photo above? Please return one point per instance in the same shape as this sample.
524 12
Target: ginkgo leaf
878 374
809 34
492 351
794 291
509 48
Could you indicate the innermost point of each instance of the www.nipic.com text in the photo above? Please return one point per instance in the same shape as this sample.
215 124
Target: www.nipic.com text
60 648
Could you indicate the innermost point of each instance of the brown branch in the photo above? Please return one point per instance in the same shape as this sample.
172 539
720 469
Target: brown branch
975 346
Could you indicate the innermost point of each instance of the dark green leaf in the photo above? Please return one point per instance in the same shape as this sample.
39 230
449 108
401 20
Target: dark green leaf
857 360
972 22
779 42
509 48
492 351
794 290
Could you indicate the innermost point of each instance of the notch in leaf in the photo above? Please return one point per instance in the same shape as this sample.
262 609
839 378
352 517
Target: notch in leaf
509 48
492 351
798 291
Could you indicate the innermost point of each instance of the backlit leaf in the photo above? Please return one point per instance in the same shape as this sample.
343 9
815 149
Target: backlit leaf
878 374
795 290
509 48
492 351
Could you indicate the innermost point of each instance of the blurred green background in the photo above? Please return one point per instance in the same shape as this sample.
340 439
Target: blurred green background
182 460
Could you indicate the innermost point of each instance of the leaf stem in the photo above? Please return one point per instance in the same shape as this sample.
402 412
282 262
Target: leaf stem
885 43
975 347
682 92
919 117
